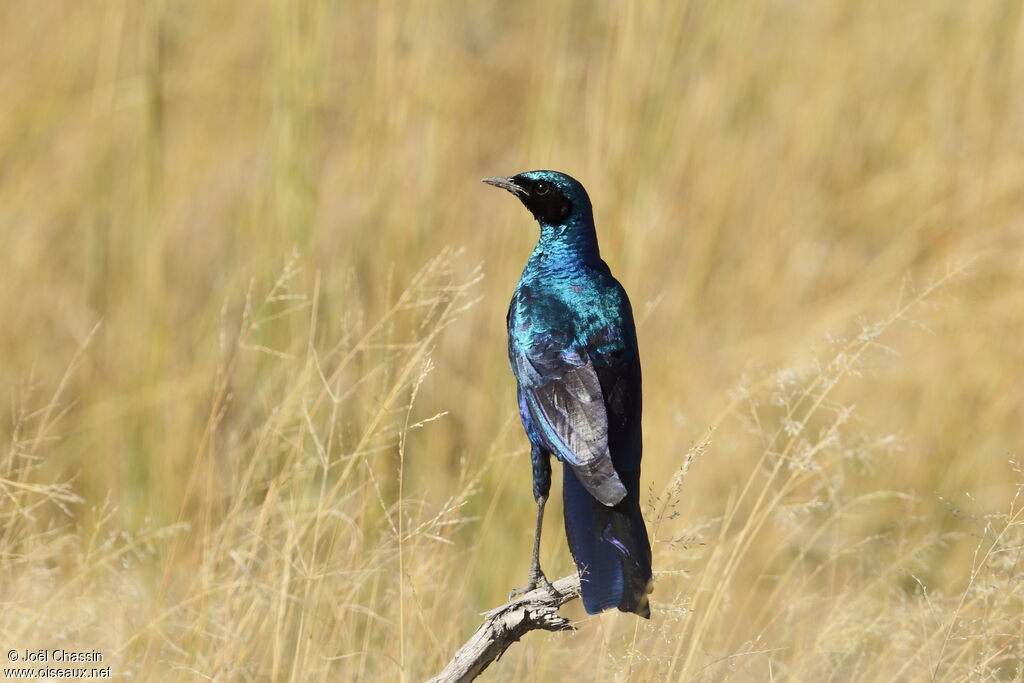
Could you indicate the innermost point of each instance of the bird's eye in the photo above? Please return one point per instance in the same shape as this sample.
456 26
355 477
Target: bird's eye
541 189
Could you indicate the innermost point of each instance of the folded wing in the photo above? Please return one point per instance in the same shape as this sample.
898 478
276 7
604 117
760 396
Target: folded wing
563 394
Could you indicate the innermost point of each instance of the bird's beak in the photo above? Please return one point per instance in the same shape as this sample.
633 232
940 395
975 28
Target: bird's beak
505 184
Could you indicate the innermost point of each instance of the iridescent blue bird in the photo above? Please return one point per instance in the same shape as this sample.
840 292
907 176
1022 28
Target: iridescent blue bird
573 350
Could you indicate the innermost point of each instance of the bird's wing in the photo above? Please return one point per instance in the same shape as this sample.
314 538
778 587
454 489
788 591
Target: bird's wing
564 397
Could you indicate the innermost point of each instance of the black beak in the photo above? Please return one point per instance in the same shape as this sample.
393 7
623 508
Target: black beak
506 184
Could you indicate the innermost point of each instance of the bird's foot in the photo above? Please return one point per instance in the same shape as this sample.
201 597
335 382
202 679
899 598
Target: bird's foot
537 580
516 592
546 585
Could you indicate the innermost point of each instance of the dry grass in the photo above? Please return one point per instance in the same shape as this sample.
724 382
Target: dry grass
261 423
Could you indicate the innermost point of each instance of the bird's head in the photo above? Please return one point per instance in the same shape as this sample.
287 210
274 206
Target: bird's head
552 197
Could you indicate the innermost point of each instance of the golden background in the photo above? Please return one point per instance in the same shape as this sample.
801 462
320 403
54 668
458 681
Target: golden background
247 259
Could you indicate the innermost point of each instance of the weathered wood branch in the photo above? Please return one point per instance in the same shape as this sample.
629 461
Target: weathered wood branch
536 610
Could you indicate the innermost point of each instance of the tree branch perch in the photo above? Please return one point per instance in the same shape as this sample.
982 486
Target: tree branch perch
505 625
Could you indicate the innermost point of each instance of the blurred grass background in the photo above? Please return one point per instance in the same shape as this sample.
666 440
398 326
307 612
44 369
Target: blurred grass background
248 260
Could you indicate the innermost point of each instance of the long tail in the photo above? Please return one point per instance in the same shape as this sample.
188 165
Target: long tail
610 548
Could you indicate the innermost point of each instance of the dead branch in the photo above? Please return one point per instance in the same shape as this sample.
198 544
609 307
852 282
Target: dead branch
505 625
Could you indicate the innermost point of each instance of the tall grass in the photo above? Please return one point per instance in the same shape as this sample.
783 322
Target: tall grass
261 424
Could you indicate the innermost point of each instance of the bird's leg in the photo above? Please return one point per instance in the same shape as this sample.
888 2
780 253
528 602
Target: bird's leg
541 486
536 577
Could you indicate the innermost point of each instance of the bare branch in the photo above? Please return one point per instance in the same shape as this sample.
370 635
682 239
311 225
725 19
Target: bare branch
536 610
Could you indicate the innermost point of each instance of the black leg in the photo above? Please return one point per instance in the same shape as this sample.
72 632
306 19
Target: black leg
541 487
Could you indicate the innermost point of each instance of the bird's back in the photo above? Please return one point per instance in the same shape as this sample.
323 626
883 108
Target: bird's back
572 347
584 313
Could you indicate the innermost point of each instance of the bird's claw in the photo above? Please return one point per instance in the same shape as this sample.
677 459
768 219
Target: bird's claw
546 585
516 592
537 580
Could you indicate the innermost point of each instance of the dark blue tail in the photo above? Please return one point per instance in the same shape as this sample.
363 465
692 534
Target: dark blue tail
610 548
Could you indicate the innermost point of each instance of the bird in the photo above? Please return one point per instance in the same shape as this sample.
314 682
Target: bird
572 347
